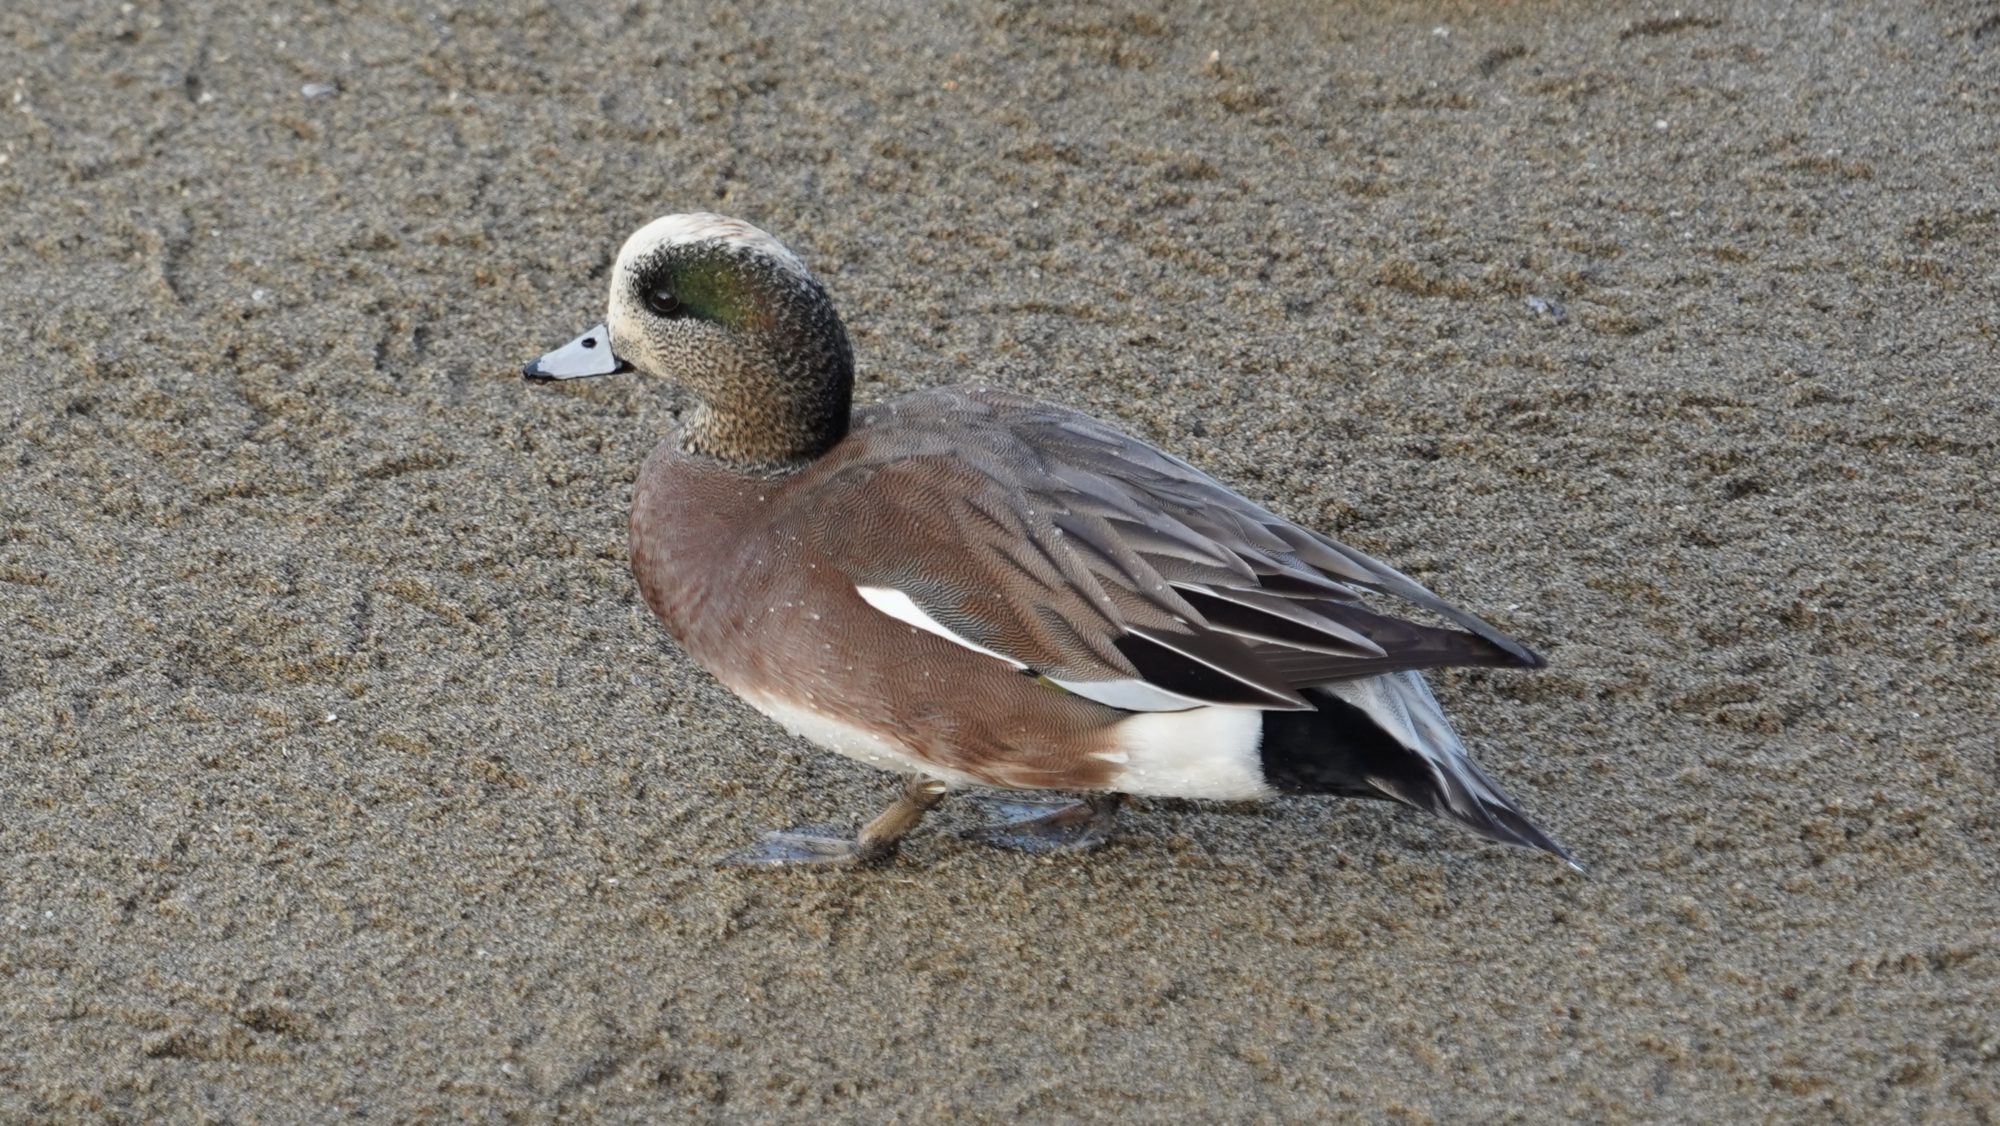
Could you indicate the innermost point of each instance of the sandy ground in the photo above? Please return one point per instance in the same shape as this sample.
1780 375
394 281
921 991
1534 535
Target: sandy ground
344 774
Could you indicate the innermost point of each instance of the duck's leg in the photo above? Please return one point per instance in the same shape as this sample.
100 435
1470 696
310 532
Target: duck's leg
1031 825
827 845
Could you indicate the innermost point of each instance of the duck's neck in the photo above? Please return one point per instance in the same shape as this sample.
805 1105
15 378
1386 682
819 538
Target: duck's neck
782 413
763 441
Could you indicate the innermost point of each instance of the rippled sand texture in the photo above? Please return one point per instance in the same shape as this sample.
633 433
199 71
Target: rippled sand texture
343 772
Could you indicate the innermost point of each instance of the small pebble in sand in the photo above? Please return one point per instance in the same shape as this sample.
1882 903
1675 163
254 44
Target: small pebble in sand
316 90
1548 307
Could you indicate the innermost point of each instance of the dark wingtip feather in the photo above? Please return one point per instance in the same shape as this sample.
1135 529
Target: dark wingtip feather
1338 749
1527 658
1495 818
1507 825
1510 653
1514 654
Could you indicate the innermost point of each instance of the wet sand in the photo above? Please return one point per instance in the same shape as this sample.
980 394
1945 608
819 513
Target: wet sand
344 774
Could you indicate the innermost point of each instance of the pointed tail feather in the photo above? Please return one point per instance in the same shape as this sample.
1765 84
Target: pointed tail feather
1385 736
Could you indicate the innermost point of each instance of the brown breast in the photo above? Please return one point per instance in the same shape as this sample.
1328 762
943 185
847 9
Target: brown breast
721 558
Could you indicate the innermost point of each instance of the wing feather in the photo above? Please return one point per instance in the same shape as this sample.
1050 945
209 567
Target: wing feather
1111 567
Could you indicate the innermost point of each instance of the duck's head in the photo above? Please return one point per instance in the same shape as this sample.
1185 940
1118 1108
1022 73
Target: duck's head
725 310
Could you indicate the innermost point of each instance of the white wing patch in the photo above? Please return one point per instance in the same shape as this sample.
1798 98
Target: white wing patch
901 607
1130 695
1127 695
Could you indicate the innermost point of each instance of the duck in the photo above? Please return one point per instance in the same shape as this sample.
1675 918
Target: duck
986 592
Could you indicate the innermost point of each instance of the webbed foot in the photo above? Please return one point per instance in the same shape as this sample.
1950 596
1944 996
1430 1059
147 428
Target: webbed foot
1039 825
817 846
826 846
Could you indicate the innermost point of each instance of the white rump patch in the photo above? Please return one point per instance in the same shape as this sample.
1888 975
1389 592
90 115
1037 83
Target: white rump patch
904 609
701 226
857 743
1200 753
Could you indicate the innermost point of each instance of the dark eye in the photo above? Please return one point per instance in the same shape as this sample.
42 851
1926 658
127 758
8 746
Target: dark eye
663 302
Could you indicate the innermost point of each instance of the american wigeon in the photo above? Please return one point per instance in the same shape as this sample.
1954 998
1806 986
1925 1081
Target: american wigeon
977 589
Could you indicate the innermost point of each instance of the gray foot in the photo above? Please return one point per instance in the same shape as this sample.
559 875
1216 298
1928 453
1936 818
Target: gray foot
831 846
1034 825
816 846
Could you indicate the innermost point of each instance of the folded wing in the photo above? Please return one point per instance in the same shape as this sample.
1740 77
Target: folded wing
1053 542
